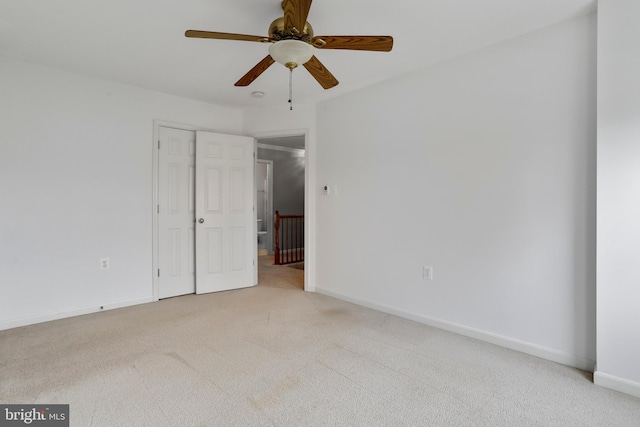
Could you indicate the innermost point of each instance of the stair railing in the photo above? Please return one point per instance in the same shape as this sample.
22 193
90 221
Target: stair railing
289 239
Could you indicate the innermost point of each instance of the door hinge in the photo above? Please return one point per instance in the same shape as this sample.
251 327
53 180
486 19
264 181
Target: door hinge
158 208
158 272
158 144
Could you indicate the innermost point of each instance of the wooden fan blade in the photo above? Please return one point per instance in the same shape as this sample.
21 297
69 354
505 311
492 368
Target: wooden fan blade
255 72
295 13
373 43
320 73
225 36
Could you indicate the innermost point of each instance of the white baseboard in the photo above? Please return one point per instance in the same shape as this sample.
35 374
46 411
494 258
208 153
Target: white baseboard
502 341
26 321
616 383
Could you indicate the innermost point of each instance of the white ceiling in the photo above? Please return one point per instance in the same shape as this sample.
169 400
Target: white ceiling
142 43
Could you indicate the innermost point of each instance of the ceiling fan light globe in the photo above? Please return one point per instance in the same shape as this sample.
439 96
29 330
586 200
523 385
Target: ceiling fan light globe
291 53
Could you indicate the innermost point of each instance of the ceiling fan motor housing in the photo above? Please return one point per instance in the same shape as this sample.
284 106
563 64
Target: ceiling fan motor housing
277 32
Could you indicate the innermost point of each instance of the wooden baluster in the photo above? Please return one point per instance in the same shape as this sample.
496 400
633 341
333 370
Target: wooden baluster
298 243
289 241
276 227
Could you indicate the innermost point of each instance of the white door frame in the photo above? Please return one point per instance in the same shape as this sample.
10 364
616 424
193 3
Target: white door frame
309 199
269 212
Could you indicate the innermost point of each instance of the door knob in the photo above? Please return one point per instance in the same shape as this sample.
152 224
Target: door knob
201 220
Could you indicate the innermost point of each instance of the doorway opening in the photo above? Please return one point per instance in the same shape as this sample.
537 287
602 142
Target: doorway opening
280 187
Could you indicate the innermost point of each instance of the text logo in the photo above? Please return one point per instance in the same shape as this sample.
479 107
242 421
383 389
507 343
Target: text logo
34 415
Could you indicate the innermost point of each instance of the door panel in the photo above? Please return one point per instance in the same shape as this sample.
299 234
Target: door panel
239 249
214 250
213 190
225 226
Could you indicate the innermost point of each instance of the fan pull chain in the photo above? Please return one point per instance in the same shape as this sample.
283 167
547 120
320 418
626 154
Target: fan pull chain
291 89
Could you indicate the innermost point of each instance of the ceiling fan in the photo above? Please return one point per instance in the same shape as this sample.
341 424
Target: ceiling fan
293 44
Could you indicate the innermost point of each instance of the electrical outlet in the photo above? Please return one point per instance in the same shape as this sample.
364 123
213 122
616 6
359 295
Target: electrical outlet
427 272
105 263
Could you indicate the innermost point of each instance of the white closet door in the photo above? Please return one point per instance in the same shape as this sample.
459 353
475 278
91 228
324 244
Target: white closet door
226 236
176 212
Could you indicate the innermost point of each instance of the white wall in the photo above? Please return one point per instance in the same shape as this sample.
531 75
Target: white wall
274 122
76 185
618 195
265 122
484 168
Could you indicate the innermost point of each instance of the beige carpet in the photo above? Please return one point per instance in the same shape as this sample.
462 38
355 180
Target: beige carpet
298 266
279 276
274 355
